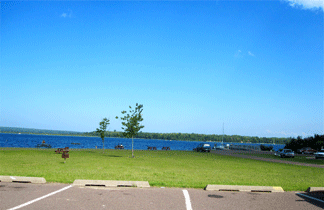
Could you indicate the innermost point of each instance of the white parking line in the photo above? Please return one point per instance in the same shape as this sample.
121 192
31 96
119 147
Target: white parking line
188 203
316 199
37 199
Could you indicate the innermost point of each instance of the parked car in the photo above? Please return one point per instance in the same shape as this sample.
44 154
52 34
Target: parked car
203 148
309 151
218 147
277 153
300 151
306 150
319 154
287 153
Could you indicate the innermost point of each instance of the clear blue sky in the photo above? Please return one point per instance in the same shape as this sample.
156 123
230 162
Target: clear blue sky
255 66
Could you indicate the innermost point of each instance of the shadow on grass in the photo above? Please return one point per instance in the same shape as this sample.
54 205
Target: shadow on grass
90 151
112 155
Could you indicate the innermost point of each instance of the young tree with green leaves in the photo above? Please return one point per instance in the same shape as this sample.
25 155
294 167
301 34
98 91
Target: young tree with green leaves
131 122
102 129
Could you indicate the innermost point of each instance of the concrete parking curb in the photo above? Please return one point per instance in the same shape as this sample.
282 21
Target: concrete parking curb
315 189
23 179
243 188
110 183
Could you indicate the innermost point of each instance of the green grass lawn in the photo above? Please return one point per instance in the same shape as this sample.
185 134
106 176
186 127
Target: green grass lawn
160 168
301 159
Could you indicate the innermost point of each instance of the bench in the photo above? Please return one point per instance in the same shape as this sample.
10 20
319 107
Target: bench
119 147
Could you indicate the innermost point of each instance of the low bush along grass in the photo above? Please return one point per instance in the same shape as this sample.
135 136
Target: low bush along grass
160 168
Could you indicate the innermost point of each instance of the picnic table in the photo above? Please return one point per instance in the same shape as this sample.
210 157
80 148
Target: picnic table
62 150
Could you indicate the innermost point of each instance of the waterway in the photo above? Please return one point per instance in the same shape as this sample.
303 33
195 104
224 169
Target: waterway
31 141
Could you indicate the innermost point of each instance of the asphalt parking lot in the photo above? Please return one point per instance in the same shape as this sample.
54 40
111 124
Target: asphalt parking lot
65 196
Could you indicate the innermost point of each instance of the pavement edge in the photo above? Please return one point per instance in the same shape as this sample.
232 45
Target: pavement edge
110 183
23 179
243 188
315 189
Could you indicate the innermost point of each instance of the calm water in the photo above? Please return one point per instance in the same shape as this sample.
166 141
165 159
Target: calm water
30 141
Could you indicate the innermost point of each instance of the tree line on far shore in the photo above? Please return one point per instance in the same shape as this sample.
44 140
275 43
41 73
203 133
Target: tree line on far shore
38 131
198 137
316 142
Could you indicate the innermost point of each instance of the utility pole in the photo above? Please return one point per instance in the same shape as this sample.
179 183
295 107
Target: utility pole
223 136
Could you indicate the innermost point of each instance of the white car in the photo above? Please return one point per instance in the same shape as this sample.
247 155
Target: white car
220 147
319 154
287 153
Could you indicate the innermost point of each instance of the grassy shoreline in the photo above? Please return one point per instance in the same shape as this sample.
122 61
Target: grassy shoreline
161 168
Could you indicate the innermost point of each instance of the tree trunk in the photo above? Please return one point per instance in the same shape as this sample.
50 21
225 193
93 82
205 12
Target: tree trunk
132 147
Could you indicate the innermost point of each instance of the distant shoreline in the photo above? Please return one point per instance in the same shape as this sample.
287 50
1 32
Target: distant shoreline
157 136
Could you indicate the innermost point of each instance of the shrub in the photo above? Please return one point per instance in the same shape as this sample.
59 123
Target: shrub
266 148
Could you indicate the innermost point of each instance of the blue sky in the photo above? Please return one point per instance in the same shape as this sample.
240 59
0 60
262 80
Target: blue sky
256 66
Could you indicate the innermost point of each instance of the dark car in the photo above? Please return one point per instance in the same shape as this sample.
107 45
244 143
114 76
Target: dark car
309 151
203 148
287 153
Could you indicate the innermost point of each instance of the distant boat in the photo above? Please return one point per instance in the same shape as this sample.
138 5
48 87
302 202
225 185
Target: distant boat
75 143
